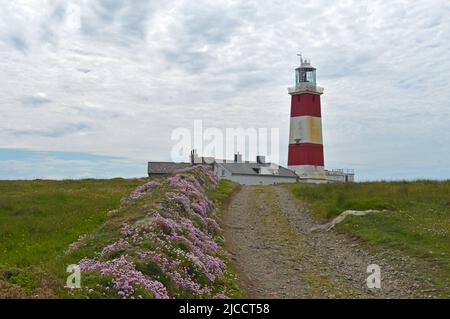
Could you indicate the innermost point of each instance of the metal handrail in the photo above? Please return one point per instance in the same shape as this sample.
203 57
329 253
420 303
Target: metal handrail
340 171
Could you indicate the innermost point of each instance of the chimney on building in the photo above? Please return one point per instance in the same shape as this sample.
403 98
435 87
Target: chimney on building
238 158
194 157
260 159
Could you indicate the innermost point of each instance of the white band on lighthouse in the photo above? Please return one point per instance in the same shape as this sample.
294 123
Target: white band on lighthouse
305 129
316 173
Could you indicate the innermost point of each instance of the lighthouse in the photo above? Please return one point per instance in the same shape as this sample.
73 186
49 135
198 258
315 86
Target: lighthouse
305 155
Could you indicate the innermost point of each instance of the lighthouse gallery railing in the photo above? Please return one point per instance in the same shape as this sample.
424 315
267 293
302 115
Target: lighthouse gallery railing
305 87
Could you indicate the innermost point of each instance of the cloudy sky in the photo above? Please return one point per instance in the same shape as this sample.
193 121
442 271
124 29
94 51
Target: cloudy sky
94 88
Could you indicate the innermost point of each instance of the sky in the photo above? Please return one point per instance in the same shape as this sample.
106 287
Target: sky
94 88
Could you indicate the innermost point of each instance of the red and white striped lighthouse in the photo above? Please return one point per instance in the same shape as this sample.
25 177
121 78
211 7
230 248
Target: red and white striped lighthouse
305 136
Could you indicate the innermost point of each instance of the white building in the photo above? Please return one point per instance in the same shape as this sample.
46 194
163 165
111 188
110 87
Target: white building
253 173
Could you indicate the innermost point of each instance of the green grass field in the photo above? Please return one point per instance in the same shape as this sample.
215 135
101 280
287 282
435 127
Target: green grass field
417 222
38 219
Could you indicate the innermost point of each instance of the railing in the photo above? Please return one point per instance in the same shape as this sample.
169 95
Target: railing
305 87
340 172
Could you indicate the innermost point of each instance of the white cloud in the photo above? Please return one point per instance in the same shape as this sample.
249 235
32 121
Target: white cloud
134 70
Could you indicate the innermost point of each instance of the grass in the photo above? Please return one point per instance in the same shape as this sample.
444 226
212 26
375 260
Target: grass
221 195
137 211
417 223
105 233
38 219
223 192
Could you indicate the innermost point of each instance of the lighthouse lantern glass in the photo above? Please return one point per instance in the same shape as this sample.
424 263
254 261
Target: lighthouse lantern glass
303 75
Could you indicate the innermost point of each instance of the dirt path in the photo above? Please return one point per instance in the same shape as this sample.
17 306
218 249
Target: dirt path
267 234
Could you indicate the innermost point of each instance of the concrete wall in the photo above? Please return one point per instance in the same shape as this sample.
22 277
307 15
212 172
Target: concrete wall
340 177
252 179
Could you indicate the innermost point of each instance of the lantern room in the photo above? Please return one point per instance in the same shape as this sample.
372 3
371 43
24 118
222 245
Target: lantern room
305 73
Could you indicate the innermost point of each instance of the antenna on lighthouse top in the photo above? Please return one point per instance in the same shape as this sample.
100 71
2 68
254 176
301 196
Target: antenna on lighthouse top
301 58
304 62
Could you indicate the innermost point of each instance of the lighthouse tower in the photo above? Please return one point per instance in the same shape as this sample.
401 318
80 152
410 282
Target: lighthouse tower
305 156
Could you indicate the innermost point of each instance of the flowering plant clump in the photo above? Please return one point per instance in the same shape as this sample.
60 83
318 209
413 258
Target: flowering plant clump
118 245
76 244
172 251
143 190
124 276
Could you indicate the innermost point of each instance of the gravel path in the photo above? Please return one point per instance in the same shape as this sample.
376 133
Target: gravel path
276 256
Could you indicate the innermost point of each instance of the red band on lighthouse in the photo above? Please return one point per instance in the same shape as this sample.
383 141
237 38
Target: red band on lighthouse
305 104
306 154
